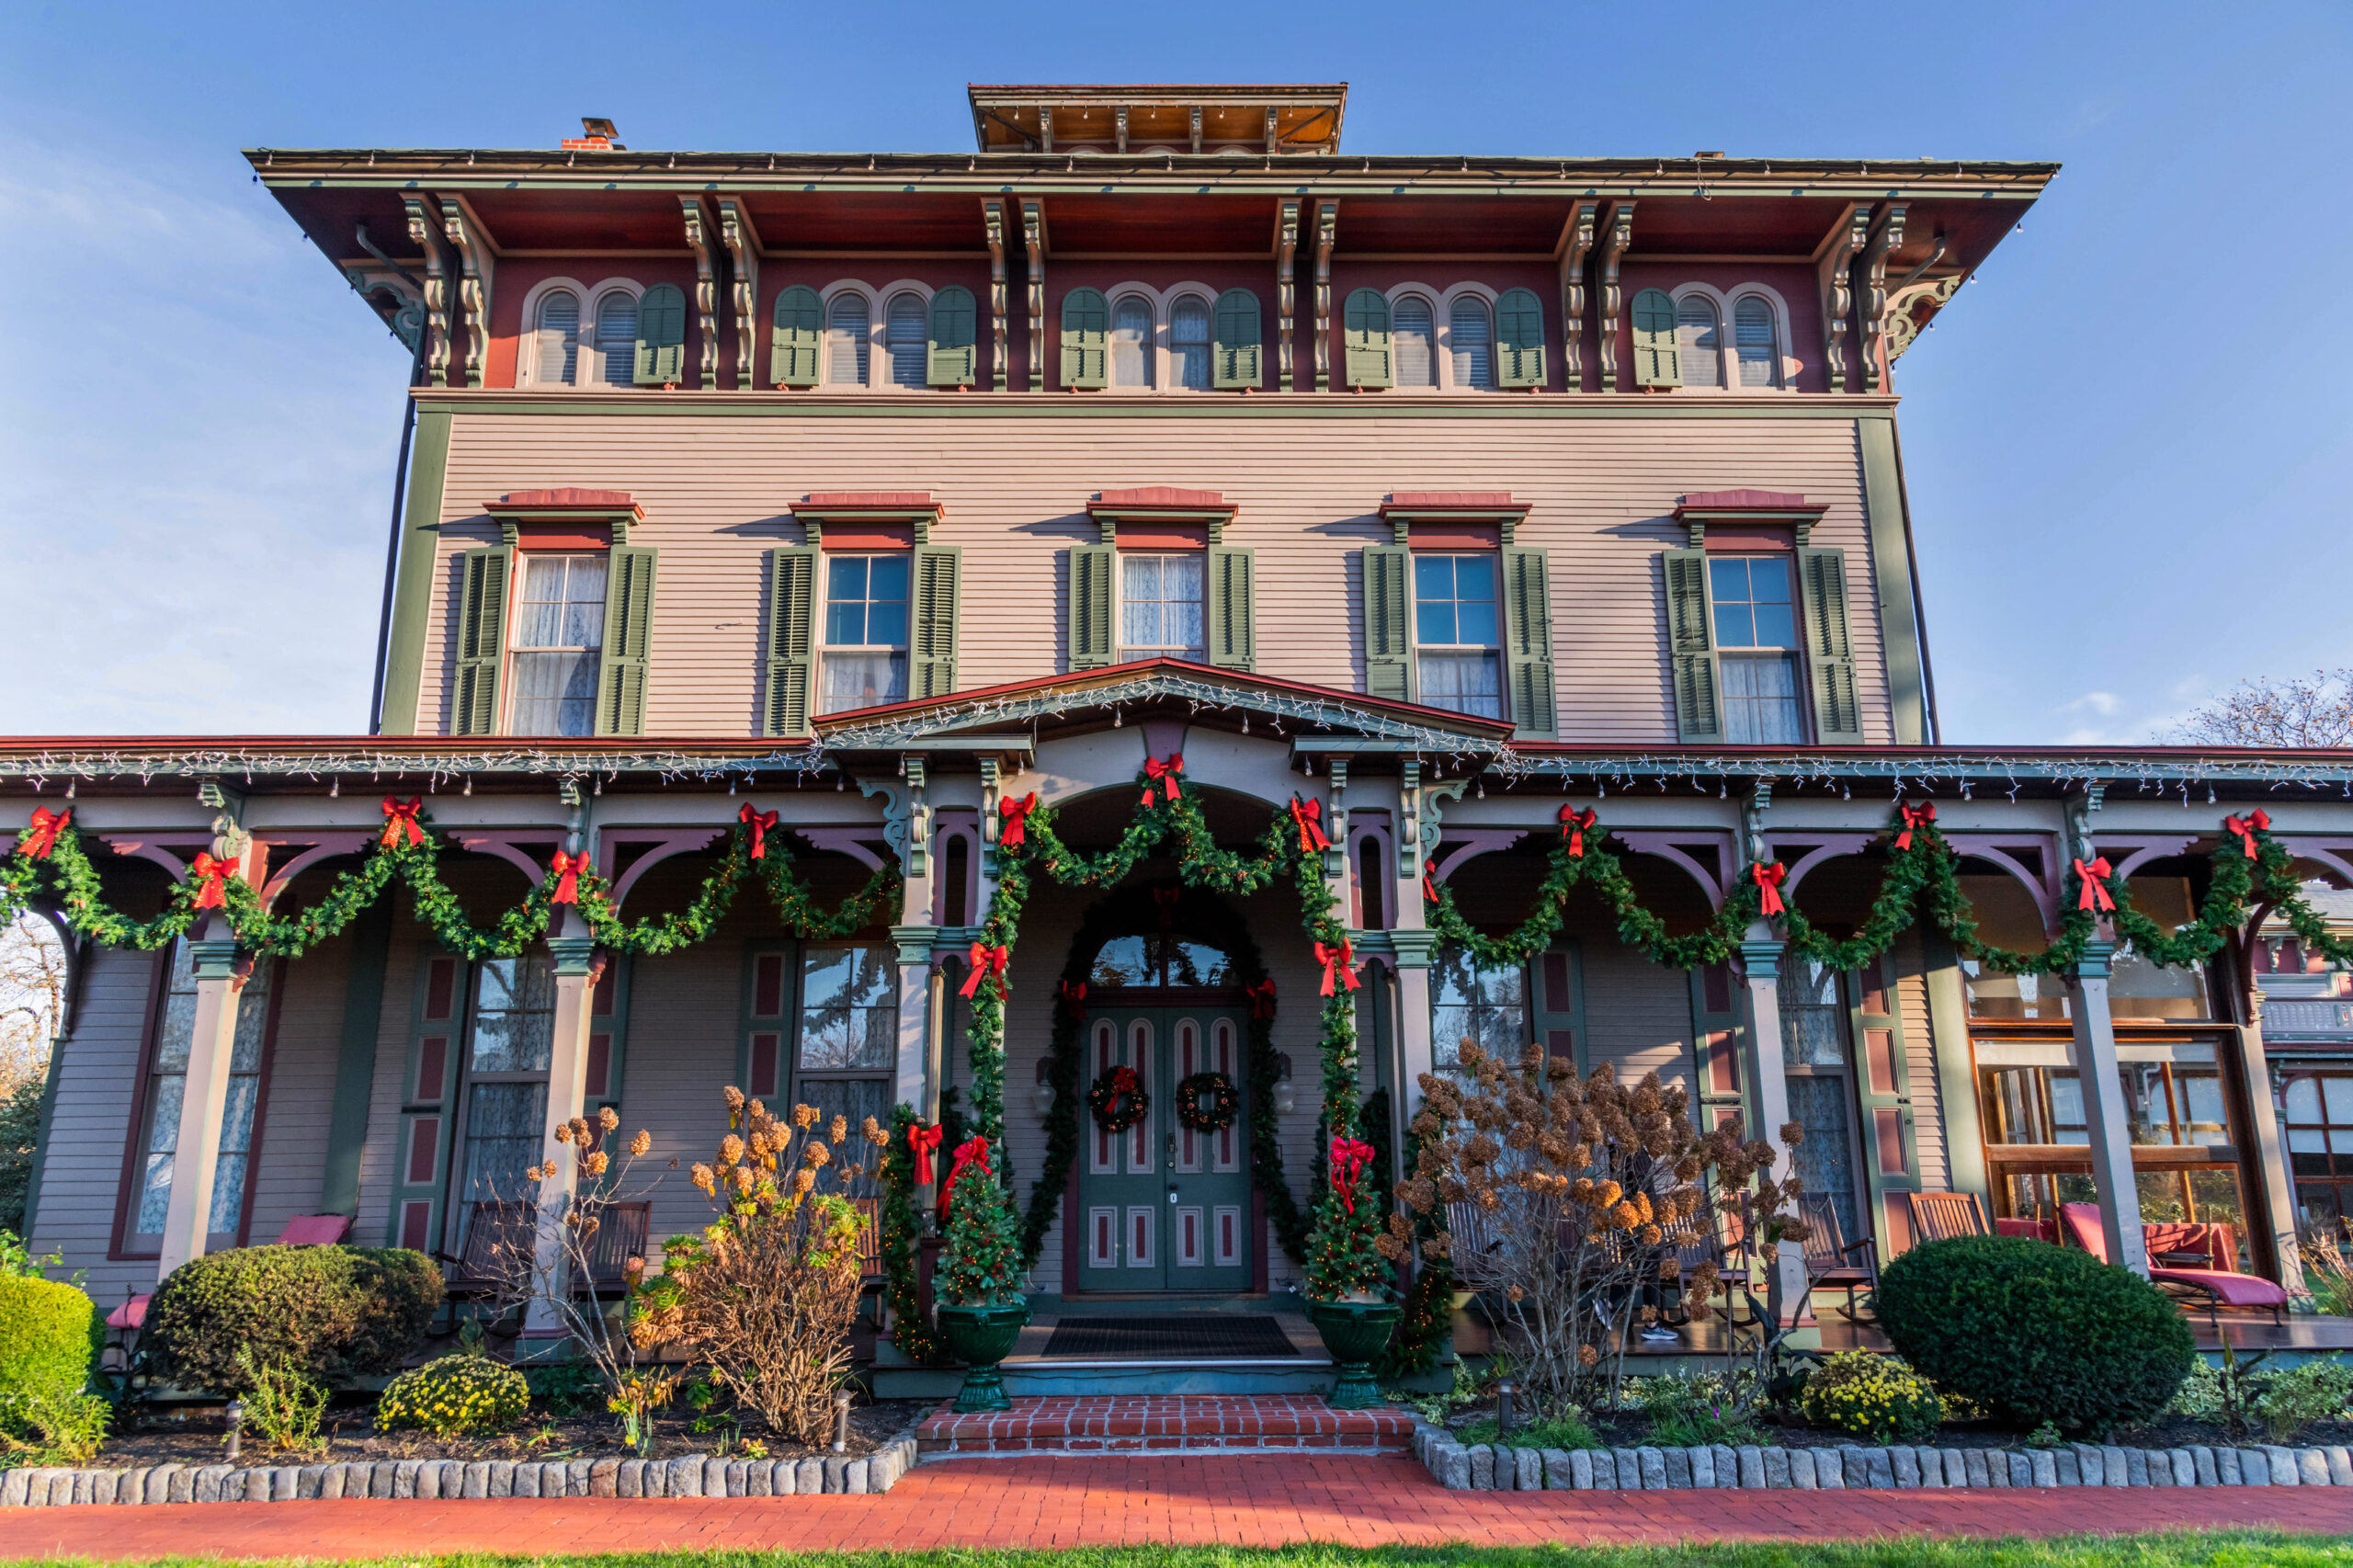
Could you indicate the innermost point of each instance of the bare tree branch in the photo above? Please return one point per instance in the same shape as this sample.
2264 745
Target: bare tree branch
2297 712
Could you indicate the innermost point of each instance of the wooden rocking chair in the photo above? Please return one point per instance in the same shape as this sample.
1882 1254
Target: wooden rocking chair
1830 1260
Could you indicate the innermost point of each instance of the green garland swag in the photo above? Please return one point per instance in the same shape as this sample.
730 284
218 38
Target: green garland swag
72 880
910 1330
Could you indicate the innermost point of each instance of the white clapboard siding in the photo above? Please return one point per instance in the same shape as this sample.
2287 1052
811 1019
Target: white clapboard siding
717 493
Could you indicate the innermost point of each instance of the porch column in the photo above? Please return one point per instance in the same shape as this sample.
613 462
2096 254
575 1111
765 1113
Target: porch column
2271 1158
574 952
1414 1053
909 1085
2108 1119
1761 958
204 1096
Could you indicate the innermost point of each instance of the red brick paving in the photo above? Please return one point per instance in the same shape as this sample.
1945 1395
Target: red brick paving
1136 1422
1208 1499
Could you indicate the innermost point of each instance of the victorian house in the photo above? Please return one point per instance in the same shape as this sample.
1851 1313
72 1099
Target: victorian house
878 492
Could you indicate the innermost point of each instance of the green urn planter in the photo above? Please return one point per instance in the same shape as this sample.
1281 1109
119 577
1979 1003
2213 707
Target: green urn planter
1355 1332
982 1336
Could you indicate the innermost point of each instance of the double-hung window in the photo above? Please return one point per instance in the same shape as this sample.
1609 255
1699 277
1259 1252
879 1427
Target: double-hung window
866 631
1189 344
157 1148
556 339
1756 645
1160 607
559 644
617 339
510 1041
849 1044
1457 633
1486 1007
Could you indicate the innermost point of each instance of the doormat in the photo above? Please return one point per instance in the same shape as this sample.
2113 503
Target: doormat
1190 1337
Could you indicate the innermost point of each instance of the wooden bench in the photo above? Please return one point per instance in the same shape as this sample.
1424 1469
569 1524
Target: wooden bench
1940 1216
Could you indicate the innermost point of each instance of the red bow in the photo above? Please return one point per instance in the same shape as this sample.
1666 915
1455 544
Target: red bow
1337 962
1429 886
1158 772
2095 894
923 1140
986 961
1262 999
400 817
41 836
1167 899
759 821
567 869
1016 814
2257 821
213 876
1074 1000
975 1153
1768 882
1916 819
1308 816
1573 823
1349 1157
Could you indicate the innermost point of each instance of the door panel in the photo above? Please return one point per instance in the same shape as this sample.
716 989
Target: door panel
1164 1207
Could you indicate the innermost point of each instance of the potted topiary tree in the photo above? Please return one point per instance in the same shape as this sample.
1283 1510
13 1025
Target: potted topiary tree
982 1309
1351 1298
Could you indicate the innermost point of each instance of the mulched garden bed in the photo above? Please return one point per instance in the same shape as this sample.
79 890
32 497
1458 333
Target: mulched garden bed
194 1435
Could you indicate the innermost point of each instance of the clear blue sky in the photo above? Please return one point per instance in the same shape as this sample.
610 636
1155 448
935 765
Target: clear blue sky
2127 445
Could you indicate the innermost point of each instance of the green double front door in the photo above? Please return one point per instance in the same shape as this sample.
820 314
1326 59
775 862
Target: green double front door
1164 1207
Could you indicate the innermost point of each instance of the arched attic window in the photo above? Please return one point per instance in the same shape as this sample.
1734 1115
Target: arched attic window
1415 337
847 328
1755 338
906 334
1189 343
1471 334
1698 341
617 339
555 354
1131 343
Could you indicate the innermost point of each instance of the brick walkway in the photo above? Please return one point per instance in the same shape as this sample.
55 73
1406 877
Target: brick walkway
1211 1499
1190 1422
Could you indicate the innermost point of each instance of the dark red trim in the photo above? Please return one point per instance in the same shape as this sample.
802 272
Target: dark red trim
1159 498
563 536
1744 537
869 536
822 501
1162 533
1747 501
1487 502
1454 533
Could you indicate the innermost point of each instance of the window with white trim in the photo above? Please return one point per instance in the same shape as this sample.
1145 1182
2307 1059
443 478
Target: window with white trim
1471 344
1160 607
1485 1006
1457 633
1413 338
848 327
907 336
1131 335
555 338
865 657
1756 341
558 647
1756 648
1189 344
510 1043
848 1035
158 1145
1699 342
617 338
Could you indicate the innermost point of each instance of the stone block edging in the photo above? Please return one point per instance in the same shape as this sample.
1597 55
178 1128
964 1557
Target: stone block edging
1485 1468
690 1475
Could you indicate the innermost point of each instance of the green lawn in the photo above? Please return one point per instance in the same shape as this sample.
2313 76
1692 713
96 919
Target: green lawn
2219 1549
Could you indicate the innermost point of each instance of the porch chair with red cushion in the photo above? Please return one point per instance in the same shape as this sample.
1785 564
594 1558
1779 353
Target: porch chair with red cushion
2212 1288
2033 1230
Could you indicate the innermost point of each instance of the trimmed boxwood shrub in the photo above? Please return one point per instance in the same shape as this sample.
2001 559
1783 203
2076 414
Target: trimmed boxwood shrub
2035 1331
334 1312
50 1336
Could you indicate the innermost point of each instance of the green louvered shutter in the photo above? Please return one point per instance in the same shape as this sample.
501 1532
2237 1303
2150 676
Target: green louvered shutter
799 333
931 664
1234 344
661 335
482 637
629 617
955 357
1233 613
792 583
1527 642
1388 622
1829 646
1094 584
1086 339
1519 339
1656 363
1365 333
1691 648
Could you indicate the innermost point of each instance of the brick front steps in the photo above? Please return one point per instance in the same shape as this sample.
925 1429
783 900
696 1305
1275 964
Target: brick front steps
694 1475
1485 1469
1164 1424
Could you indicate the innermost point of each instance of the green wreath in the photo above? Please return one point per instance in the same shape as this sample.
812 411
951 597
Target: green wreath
1225 1102
1117 1100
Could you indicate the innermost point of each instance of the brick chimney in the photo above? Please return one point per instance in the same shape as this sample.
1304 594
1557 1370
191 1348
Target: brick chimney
596 136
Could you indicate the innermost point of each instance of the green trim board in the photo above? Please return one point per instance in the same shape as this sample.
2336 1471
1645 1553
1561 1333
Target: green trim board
766 405
355 1070
413 595
1892 580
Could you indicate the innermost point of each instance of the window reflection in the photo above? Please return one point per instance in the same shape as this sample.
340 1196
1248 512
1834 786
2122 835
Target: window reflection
1486 1007
1163 960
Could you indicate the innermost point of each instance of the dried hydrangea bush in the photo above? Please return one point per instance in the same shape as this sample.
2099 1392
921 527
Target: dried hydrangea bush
765 1294
1564 1201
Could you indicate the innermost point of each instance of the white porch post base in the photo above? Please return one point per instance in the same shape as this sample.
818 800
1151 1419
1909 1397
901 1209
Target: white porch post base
575 982
1769 1091
211 1047
2108 1121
